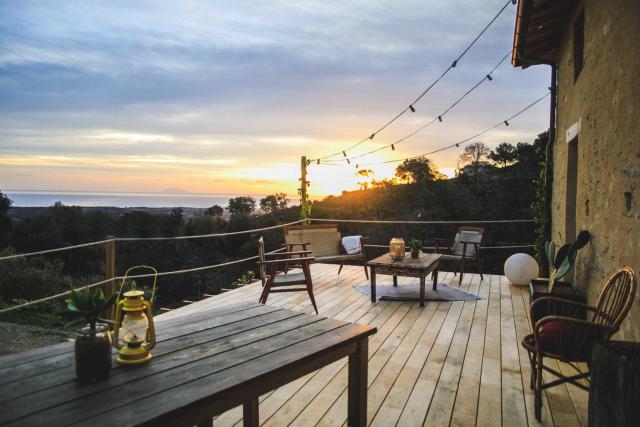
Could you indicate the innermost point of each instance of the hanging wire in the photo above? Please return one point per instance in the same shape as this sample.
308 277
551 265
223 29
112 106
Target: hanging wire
438 118
456 144
411 106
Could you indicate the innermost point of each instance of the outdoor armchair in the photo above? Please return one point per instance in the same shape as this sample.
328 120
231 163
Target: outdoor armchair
271 266
463 250
569 338
325 243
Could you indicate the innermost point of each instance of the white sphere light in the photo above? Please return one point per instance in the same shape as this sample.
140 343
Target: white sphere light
520 269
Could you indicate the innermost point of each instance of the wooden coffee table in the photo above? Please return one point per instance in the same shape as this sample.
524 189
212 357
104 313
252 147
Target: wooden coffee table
408 267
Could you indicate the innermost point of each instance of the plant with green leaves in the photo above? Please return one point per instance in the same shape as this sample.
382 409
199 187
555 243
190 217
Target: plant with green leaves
415 244
89 305
560 262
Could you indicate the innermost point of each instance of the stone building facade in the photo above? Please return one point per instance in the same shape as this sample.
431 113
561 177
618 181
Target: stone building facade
596 153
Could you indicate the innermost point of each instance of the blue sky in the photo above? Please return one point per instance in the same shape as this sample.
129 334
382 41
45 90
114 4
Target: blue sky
224 97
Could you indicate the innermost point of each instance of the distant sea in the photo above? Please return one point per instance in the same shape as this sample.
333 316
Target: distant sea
121 200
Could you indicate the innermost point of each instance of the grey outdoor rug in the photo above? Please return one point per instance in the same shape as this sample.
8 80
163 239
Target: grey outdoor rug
411 292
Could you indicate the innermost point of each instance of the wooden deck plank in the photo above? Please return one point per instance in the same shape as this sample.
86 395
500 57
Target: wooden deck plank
335 415
523 328
489 401
514 412
466 403
441 407
451 363
415 410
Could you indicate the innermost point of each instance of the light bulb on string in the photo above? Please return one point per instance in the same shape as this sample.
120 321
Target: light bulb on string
506 123
372 135
348 161
489 77
393 147
413 110
318 162
344 154
440 118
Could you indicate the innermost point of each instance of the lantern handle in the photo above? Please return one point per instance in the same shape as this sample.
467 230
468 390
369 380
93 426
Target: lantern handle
151 330
116 329
130 269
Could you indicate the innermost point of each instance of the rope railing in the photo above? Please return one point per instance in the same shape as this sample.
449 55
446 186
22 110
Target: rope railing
135 239
376 221
481 247
234 262
138 276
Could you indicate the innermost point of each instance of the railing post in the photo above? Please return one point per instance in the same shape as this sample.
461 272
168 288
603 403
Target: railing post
110 268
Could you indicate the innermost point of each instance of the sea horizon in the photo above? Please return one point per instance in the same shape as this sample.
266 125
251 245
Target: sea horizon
119 199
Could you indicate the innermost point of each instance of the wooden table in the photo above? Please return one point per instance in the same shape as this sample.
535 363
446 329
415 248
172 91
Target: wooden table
420 267
203 365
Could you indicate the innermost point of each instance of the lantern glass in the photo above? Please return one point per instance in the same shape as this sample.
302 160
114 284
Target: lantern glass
396 248
134 329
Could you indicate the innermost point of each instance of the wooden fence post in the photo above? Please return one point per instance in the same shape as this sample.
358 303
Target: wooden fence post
110 269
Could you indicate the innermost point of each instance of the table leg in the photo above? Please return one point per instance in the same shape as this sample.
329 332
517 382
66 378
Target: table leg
250 413
395 281
435 279
357 397
422 290
373 284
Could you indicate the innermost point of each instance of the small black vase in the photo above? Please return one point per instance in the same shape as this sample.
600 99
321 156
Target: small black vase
93 353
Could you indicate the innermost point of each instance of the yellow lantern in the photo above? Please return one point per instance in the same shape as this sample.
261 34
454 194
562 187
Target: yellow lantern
134 333
396 248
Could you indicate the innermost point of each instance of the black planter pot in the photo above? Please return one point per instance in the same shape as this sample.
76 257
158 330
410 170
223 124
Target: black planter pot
93 353
415 253
539 288
614 391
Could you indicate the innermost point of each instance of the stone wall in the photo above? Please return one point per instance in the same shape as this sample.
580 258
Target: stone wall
606 100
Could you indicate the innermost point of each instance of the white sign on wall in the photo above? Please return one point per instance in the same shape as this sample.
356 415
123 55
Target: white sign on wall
574 130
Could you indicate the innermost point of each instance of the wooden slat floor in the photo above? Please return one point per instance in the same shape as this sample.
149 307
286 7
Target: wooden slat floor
450 363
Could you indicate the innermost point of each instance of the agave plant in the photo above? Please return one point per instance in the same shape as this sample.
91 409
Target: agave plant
561 262
89 305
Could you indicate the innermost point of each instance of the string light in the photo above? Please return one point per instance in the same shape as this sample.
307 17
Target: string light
506 123
489 77
410 107
399 141
318 161
348 161
344 153
440 118
457 144
393 147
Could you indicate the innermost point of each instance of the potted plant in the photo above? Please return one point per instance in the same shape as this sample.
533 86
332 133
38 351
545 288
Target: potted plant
416 246
93 336
560 263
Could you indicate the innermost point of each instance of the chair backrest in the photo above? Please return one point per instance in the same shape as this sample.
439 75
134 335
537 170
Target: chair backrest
261 257
616 298
467 234
325 239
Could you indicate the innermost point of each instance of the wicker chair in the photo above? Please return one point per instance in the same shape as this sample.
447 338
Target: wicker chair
463 250
274 282
569 338
324 242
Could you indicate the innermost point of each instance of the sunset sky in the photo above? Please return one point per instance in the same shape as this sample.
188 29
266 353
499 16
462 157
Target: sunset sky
224 97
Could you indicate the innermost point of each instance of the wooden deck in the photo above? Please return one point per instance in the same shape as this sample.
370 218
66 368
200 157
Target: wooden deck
449 363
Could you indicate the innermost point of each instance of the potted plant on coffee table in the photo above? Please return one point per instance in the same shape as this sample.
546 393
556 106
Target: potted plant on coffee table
416 246
93 336
560 263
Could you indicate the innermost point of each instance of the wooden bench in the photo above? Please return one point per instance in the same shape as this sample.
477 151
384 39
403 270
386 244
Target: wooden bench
325 243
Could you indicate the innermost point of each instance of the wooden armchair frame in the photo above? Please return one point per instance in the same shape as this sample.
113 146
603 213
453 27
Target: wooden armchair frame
574 345
446 247
274 282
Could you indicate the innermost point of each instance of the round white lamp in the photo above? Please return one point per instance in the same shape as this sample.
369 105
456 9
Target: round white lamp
520 269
